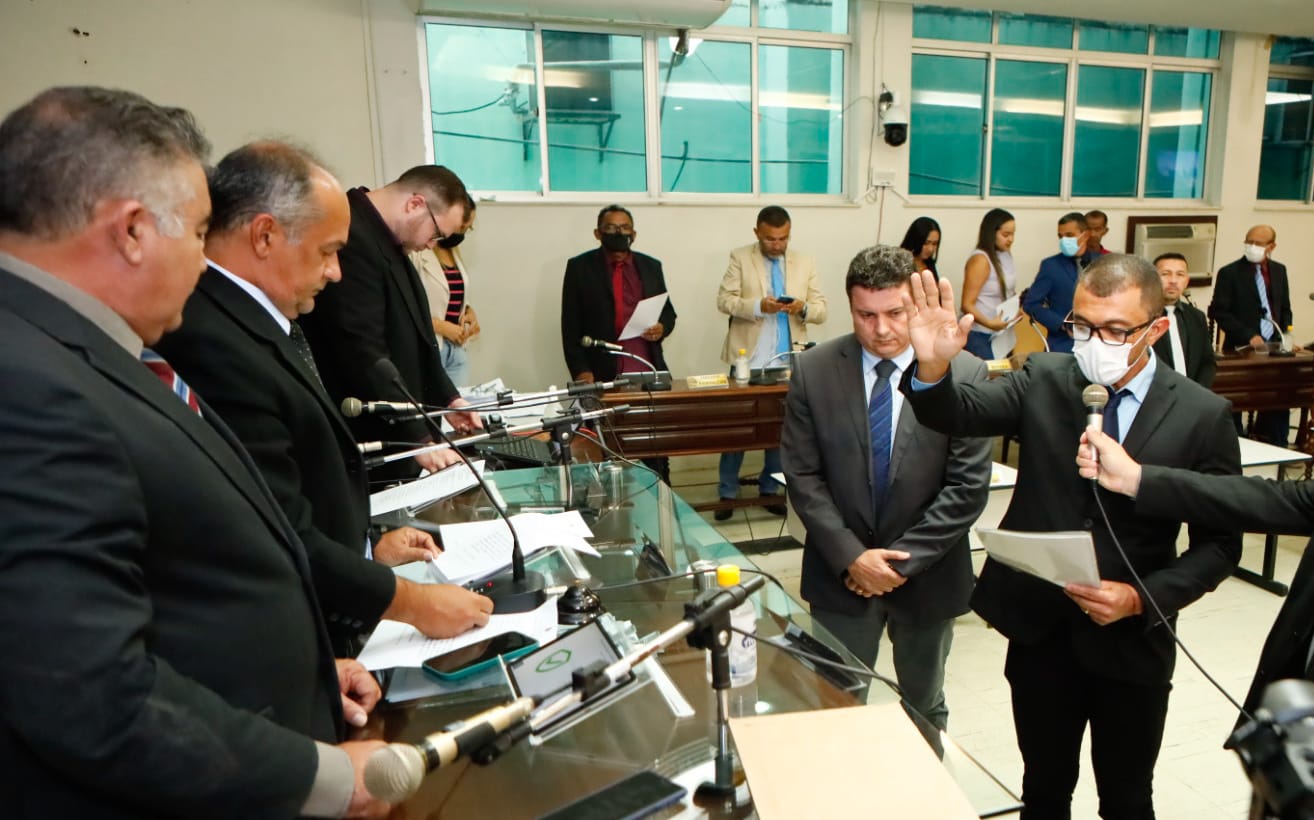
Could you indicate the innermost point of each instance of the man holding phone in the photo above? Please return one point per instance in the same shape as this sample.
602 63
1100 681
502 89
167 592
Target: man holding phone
771 294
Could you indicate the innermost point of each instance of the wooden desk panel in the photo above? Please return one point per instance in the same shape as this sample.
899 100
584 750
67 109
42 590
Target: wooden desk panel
1254 383
682 422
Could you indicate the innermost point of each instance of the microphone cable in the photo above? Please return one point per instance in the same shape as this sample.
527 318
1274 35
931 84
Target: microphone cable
1146 596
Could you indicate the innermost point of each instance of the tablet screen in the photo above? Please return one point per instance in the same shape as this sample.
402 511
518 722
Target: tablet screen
546 671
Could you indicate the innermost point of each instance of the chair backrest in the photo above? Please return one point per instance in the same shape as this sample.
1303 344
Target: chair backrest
1031 338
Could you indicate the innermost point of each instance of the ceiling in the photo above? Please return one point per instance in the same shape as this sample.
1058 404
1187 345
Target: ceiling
1288 18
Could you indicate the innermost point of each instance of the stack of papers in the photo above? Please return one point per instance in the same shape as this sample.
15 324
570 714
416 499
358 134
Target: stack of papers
1058 557
397 644
423 491
477 549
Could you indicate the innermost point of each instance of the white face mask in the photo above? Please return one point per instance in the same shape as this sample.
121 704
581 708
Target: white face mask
1255 254
1103 363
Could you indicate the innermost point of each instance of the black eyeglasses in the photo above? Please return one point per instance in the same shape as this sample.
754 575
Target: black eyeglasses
1116 336
437 231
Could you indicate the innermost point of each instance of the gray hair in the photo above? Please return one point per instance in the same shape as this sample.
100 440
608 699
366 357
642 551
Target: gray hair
266 177
879 267
1116 272
70 148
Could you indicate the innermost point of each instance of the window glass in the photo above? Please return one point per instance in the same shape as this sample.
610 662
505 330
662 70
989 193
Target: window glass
1284 156
1179 123
827 16
1106 154
593 84
1035 30
800 102
1119 37
946 122
938 23
484 101
706 119
1027 139
1293 51
736 15
1201 43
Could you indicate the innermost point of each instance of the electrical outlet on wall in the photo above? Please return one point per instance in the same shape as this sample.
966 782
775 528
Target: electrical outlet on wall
882 178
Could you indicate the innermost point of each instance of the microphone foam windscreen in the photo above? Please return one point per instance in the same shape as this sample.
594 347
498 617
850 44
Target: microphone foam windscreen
394 772
1095 395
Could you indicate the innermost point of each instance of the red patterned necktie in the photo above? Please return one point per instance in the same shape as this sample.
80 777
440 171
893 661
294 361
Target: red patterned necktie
171 379
618 294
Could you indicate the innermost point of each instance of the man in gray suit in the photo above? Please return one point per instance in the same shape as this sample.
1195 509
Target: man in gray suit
886 501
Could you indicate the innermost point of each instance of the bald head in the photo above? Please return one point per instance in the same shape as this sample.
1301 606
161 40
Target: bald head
279 220
1261 235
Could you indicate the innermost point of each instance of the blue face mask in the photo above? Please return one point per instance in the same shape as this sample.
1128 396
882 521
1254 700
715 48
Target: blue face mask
1068 245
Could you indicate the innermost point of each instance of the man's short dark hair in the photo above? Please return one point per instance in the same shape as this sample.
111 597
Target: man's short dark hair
72 147
435 182
879 267
1115 272
1169 255
614 209
1097 214
774 216
268 177
1074 216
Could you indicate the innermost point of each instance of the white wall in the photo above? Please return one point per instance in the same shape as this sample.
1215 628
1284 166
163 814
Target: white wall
343 77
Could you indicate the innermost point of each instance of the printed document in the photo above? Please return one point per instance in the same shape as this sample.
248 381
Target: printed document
476 549
397 644
413 495
1057 557
646 314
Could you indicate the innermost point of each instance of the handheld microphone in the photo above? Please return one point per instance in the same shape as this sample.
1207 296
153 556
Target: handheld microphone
589 341
353 407
520 591
396 771
1095 397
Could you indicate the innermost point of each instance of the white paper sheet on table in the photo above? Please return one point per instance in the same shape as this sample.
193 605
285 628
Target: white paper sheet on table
425 490
475 549
397 644
646 314
1057 557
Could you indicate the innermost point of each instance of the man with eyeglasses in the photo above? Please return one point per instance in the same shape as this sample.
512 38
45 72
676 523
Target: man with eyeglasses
380 311
1083 655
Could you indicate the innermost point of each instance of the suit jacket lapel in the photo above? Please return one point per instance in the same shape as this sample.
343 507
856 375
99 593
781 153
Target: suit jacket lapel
760 268
905 430
850 378
1157 406
607 308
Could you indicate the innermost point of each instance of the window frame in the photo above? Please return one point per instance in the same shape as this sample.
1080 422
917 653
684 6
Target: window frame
1289 72
651 41
1074 58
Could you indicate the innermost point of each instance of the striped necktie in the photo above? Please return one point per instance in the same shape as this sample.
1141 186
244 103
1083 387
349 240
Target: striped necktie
171 379
880 411
302 346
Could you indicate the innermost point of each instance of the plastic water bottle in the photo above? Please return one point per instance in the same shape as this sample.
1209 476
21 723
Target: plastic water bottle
743 648
741 369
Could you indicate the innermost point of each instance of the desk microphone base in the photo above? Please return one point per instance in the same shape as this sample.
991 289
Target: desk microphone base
509 595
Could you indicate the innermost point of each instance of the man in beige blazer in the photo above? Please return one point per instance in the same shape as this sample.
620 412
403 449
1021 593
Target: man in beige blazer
771 294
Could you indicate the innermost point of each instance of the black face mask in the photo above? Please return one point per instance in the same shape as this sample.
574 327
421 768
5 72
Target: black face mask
616 242
451 240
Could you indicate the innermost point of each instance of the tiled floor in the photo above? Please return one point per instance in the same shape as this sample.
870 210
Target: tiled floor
1195 777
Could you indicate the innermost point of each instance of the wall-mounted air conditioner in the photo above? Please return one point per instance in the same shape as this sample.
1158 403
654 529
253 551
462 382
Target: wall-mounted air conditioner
1194 240
658 13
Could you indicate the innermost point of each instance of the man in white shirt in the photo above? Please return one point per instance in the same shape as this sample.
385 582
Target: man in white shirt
1186 347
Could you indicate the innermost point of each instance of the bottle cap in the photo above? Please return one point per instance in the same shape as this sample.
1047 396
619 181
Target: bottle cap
743 352
727 575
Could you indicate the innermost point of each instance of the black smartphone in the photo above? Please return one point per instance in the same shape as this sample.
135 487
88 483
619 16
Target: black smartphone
638 795
784 300
470 659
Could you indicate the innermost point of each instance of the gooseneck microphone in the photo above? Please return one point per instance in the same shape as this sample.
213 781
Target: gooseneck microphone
353 407
396 771
1096 398
589 341
520 591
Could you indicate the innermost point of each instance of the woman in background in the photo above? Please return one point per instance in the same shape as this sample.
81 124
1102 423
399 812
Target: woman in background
923 241
988 279
444 277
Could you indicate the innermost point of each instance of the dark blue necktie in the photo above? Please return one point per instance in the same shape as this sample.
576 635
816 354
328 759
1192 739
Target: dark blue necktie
880 412
1111 414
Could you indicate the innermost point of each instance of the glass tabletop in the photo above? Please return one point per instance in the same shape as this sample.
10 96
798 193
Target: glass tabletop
647 538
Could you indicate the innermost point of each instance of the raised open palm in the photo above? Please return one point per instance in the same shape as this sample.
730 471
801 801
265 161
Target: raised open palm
936 332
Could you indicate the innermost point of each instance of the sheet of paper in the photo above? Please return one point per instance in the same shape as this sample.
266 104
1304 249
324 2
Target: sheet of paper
433 487
397 644
805 764
1057 557
1003 341
475 549
646 314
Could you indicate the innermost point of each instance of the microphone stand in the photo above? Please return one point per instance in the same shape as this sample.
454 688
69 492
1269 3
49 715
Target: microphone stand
522 591
655 382
505 399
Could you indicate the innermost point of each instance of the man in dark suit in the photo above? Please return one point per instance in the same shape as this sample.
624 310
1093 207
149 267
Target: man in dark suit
1082 655
1252 306
1049 299
164 650
891 551
277 223
593 305
380 311
1186 347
